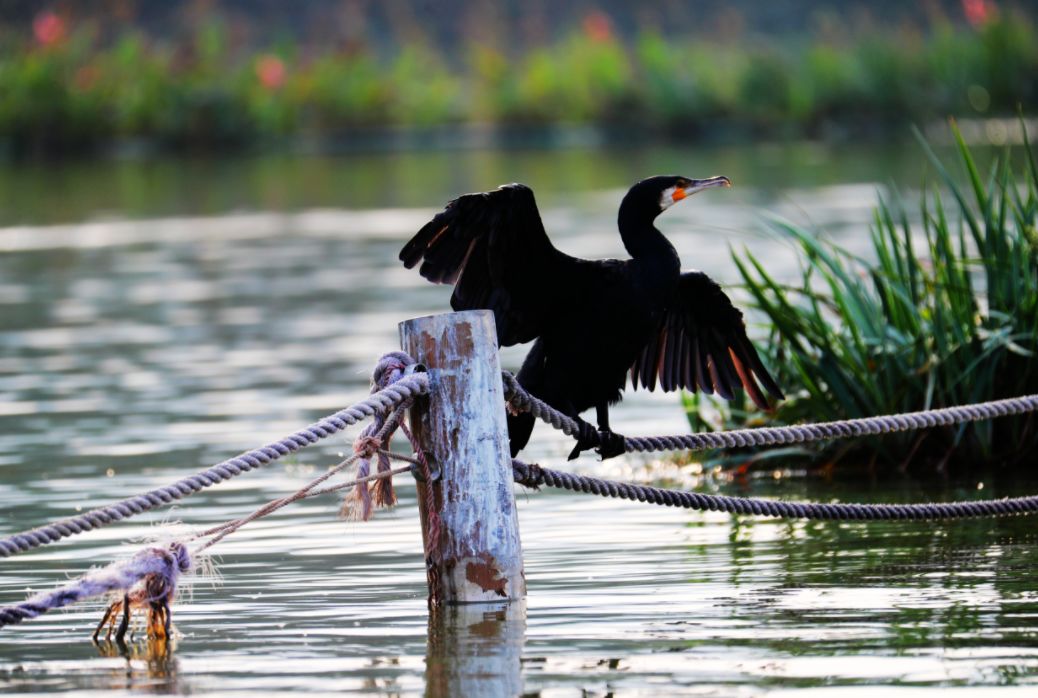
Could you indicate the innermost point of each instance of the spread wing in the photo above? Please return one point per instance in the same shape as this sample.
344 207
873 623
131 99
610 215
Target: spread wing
702 345
493 248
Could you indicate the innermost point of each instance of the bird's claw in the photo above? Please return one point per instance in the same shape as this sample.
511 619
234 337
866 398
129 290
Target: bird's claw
587 439
612 444
607 444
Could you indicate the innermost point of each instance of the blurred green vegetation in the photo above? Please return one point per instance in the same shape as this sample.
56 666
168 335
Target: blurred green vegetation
64 88
947 315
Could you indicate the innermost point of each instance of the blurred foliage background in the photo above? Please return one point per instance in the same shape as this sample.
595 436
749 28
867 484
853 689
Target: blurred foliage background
92 75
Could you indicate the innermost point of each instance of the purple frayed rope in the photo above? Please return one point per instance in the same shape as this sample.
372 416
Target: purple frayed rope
166 564
358 505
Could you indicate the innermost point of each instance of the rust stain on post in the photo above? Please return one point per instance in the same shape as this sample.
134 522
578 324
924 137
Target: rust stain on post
483 573
478 556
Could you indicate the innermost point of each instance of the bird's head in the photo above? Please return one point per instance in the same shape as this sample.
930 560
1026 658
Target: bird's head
655 195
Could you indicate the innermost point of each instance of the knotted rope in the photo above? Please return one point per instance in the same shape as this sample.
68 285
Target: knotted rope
358 505
523 401
532 475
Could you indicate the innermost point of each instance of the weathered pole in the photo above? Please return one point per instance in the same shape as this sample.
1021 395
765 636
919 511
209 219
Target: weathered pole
469 522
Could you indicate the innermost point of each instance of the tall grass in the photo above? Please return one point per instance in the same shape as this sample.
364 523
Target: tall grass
945 314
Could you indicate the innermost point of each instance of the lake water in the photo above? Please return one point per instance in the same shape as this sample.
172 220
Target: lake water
156 318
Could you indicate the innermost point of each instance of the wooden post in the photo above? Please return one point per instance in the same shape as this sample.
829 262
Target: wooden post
476 556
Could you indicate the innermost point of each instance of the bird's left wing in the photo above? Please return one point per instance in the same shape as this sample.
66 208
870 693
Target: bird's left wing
492 246
702 345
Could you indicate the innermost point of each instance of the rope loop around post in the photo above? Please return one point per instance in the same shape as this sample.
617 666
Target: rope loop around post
359 503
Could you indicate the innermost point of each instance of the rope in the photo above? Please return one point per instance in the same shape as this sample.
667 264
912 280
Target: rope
532 475
370 446
523 401
385 400
396 382
360 504
311 493
409 384
159 567
165 563
432 515
172 560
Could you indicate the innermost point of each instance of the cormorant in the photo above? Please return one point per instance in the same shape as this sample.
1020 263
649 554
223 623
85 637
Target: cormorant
594 321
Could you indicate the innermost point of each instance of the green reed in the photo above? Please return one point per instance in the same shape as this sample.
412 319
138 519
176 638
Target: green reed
946 313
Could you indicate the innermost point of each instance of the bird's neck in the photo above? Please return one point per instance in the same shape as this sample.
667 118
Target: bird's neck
648 246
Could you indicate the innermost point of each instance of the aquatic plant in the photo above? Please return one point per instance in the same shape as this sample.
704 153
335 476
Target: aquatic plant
945 314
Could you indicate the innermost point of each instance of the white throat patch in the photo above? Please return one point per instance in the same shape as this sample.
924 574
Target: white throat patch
667 198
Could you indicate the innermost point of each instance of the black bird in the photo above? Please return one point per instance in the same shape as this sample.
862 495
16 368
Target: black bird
594 321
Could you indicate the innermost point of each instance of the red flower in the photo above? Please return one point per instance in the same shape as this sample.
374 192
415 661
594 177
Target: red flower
978 11
598 26
271 71
48 28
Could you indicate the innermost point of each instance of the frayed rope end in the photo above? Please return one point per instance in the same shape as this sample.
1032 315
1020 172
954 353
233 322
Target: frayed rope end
150 576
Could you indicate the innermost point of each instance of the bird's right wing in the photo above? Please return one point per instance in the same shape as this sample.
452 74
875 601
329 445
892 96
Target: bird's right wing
492 246
701 344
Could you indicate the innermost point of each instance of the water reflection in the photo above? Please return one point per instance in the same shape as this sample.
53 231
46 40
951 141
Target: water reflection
622 597
151 666
476 650
42 193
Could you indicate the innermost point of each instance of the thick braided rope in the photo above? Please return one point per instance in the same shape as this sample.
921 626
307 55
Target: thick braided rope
532 475
523 401
382 402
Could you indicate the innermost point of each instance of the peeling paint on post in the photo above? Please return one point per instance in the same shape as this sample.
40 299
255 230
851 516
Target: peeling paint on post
461 425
